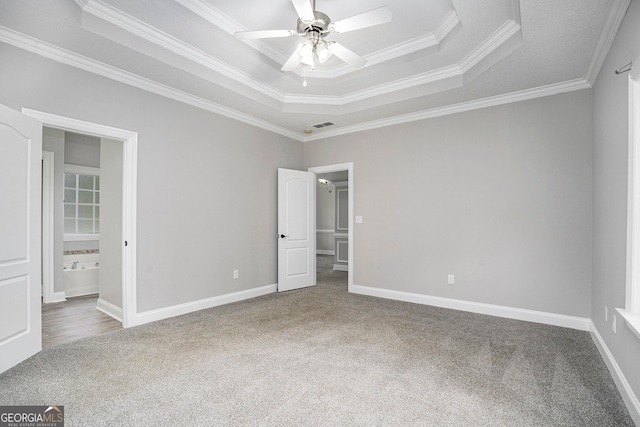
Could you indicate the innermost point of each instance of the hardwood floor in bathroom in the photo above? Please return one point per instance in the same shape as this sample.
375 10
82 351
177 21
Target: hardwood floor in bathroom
74 319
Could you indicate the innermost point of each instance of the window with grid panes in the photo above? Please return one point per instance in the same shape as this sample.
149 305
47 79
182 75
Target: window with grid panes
81 203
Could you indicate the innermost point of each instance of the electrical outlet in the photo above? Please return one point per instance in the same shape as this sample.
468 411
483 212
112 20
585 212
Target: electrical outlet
450 279
613 323
236 274
606 313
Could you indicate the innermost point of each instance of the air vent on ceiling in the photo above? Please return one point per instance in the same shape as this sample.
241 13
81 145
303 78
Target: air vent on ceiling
323 125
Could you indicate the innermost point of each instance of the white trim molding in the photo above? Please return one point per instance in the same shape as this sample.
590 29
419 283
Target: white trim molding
129 196
631 313
447 25
628 396
631 319
612 22
109 309
493 101
82 170
340 245
58 297
580 323
48 254
189 307
325 252
72 59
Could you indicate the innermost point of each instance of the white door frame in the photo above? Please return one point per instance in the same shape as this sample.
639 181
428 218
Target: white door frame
339 168
48 263
129 197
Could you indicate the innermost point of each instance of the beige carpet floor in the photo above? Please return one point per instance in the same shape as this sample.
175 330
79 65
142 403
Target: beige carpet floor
322 356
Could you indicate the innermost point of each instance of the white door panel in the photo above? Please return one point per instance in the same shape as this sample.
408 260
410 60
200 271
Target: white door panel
20 188
296 229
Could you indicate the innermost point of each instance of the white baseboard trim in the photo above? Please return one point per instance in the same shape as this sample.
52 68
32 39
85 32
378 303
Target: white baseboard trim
58 297
630 399
80 291
580 323
180 309
340 267
325 252
110 309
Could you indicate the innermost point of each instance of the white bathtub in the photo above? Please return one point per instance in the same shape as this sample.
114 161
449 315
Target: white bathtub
83 280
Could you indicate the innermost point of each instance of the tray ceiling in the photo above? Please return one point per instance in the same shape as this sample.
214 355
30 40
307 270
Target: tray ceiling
433 58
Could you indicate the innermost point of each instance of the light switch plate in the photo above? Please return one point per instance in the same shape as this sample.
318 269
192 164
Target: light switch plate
358 220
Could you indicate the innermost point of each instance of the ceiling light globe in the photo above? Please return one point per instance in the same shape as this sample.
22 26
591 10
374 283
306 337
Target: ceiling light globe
305 49
323 53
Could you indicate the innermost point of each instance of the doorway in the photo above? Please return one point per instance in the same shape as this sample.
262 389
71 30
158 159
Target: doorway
332 241
82 222
337 173
128 171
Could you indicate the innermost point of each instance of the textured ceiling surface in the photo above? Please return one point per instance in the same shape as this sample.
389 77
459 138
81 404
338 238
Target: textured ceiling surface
432 58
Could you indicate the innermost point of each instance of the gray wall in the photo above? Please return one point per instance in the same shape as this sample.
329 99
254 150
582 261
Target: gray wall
53 140
500 197
202 179
81 150
610 156
111 167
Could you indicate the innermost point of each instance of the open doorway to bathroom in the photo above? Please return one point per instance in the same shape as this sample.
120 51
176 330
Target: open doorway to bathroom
83 295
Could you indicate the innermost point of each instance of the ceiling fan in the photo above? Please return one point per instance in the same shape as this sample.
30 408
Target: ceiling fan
313 26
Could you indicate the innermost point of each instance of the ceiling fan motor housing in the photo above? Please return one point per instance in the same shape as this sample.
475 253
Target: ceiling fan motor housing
320 25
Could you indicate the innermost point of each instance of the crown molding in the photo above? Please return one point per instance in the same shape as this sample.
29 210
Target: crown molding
499 37
215 16
524 95
483 52
401 84
615 14
66 57
449 23
72 59
103 11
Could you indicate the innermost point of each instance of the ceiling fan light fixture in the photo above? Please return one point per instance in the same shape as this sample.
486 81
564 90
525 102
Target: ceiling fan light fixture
305 49
308 60
323 53
314 25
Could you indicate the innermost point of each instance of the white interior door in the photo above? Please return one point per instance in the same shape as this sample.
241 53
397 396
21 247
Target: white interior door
20 188
296 229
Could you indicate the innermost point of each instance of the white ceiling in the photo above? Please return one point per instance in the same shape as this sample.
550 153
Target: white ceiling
433 58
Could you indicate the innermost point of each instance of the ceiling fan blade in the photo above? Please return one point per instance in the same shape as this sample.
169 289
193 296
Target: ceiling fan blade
346 55
304 10
377 16
263 34
292 62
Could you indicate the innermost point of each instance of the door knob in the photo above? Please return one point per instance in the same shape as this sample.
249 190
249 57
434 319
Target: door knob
282 236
